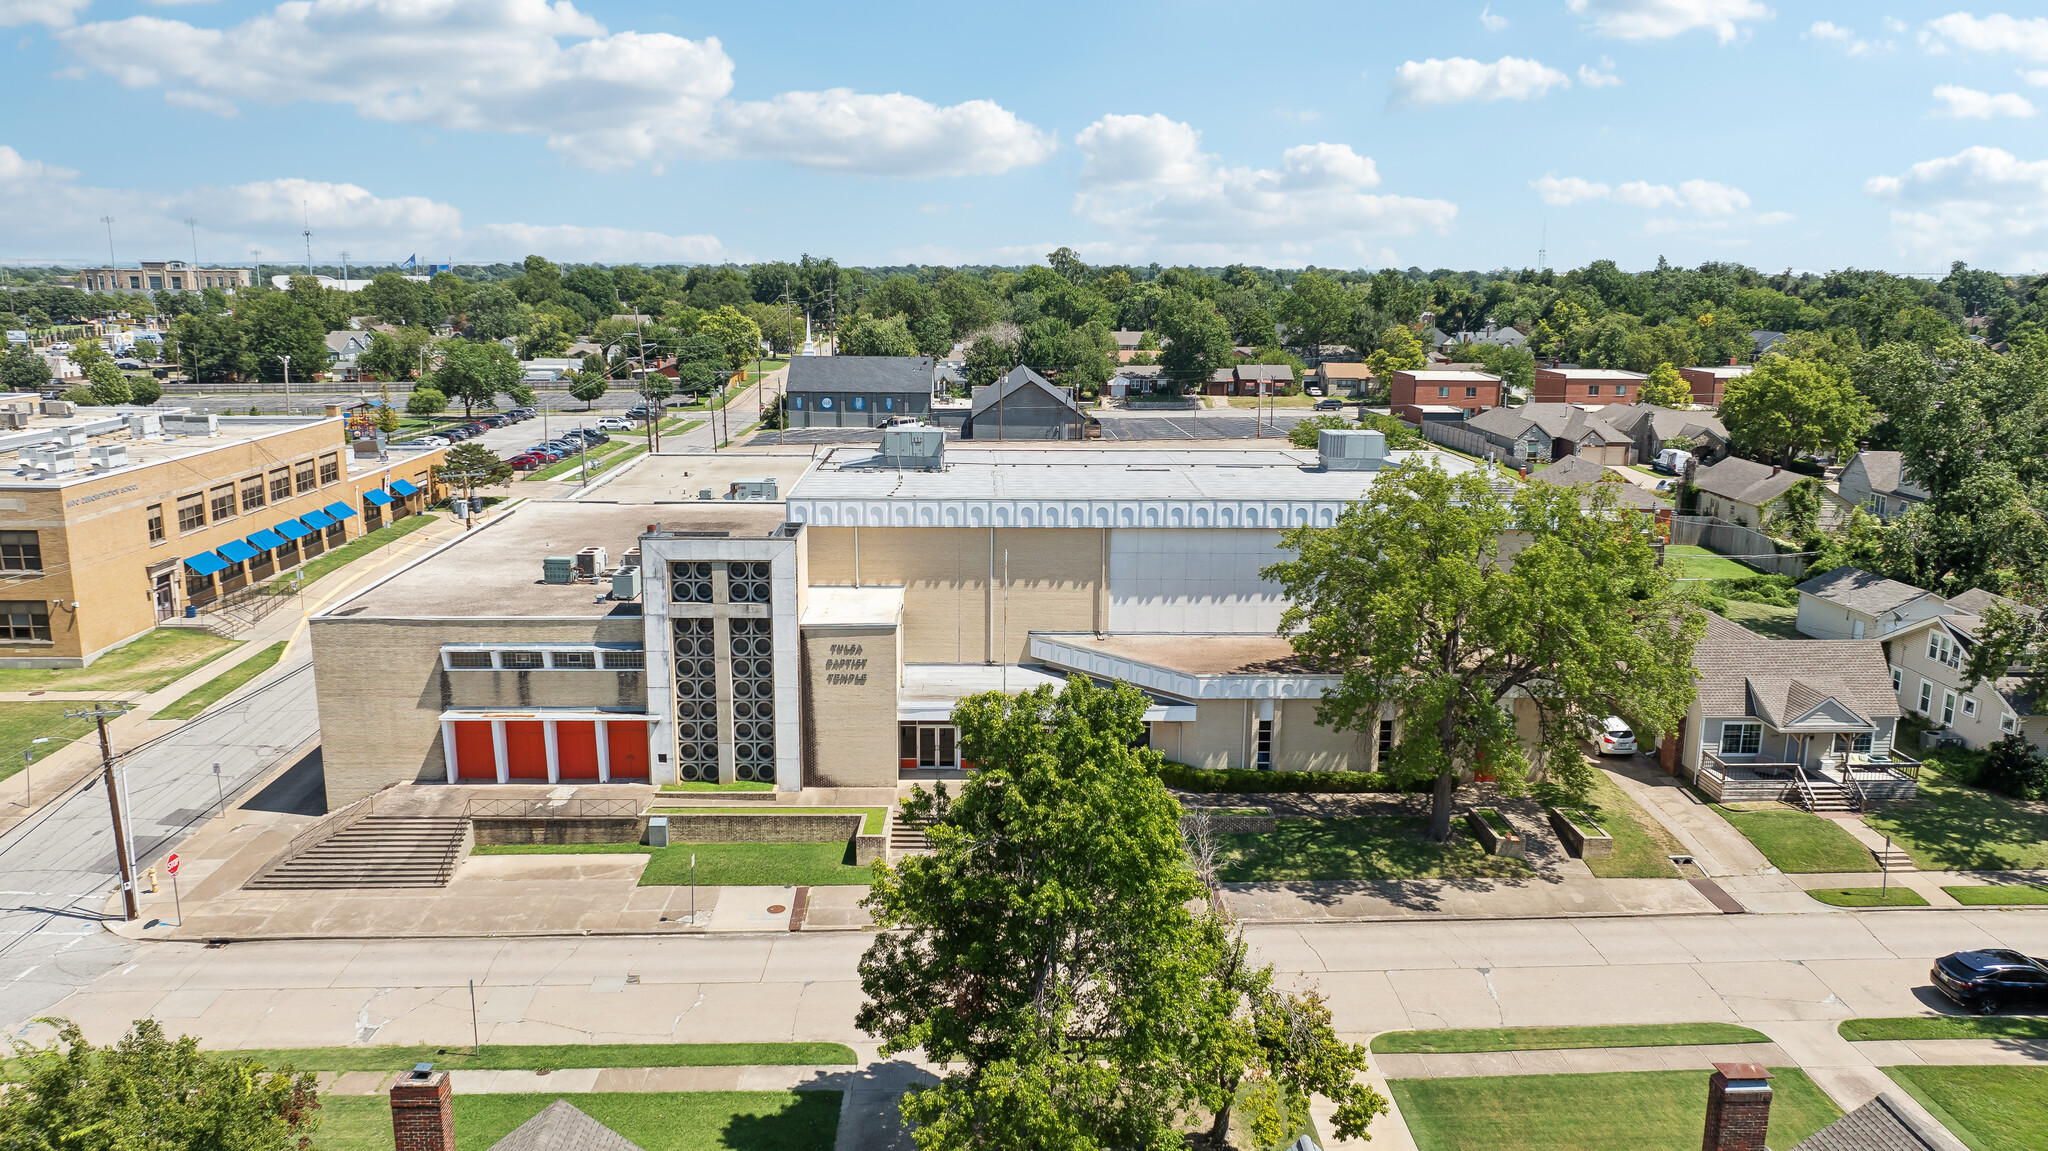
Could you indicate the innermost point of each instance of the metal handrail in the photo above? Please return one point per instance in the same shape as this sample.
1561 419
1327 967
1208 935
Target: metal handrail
552 809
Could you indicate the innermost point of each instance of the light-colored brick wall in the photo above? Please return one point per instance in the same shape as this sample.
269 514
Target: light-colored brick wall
1299 745
850 706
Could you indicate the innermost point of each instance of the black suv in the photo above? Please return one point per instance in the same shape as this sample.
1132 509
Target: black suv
1984 981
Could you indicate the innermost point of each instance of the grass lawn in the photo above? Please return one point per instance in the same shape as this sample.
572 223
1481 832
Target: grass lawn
1356 848
1694 562
1562 1038
209 693
722 864
1998 895
1799 843
877 817
1988 1108
1867 896
151 663
23 723
1765 619
1951 826
2032 1027
656 1121
1639 1110
552 1057
1642 846
351 551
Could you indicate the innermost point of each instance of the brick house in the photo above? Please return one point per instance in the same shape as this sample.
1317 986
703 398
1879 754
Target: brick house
1469 391
1711 383
1586 386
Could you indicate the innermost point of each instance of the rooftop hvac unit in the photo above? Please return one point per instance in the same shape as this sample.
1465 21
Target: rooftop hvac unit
1351 450
751 490
589 562
62 409
631 559
914 446
142 424
192 424
703 493
626 583
110 456
72 437
558 569
49 459
13 418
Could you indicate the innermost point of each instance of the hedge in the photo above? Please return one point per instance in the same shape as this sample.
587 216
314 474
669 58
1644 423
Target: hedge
1184 778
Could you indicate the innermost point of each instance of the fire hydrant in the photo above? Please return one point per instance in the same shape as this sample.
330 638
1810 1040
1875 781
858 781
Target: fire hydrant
152 881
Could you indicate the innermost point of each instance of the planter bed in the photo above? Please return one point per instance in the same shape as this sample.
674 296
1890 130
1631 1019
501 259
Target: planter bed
1495 833
1582 835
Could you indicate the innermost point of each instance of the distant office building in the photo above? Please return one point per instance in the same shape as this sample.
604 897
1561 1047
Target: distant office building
163 276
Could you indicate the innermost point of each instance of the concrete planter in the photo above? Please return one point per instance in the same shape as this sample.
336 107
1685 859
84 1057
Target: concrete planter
1582 837
1495 842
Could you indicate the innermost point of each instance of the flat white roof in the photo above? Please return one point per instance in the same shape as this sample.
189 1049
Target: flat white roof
833 606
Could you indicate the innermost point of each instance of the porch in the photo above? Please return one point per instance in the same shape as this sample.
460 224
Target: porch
1838 782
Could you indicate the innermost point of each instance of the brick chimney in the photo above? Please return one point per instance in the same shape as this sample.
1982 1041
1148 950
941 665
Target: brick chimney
1738 1108
423 1117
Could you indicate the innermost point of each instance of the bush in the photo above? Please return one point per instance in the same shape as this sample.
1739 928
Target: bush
426 402
2014 767
81 396
1770 589
144 390
1184 778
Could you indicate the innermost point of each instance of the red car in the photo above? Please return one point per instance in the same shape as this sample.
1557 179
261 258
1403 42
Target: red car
531 461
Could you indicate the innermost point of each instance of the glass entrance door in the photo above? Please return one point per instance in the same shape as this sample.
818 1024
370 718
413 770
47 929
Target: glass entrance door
928 745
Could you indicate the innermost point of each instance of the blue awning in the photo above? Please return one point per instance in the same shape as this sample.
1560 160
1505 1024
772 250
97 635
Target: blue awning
291 529
205 563
238 551
339 510
317 519
266 539
403 488
377 496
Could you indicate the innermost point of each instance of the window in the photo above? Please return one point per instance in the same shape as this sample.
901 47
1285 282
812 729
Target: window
26 619
1265 746
336 533
155 519
1386 738
280 485
1942 649
1898 677
521 660
888 403
191 512
330 469
1621 389
1861 744
1948 708
575 661
1856 629
252 493
1742 738
470 659
304 470
20 552
2008 722
222 503
1592 389
1926 696
1472 393
197 585
1443 393
1880 507
625 660
1969 705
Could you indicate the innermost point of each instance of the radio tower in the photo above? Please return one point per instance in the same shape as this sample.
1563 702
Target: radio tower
1541 245
307 220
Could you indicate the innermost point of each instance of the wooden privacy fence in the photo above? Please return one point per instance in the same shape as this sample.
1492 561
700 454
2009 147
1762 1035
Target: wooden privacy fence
1460 440
1753 547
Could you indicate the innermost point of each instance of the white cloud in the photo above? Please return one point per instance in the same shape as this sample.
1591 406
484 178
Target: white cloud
1703 197
56 13
1460 81
1970 104
1147 178
1827 30
54 216
1980 201
1564 191
1593 77
1491 22
1770 218
2038 77
2026 38
1854 45
535 67
1663 19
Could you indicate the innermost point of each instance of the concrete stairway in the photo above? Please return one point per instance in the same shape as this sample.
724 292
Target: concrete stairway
907 838
375 851
1893 859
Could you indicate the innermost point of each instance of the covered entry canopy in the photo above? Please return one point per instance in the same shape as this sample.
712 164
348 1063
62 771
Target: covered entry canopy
931 690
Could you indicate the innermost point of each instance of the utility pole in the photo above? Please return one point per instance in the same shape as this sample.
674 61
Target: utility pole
130 903
344 271
192 225
287 383
109 222
307 231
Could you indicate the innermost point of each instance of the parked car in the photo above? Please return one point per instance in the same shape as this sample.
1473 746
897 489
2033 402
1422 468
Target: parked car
53 393
422 442
1984 981
495 421
1330 404
615 423
128 365
1616 738
531 461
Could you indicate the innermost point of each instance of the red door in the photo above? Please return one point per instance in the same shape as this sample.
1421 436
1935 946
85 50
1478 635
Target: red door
526 749
476 759
627 743
576 748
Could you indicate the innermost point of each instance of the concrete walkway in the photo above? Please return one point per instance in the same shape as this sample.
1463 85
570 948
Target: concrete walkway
1719 849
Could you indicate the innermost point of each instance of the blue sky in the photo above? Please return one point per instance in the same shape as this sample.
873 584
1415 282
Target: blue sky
1350 135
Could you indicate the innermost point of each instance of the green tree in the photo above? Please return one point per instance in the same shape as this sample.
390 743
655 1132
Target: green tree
109 386
737 336
425 401
1401 436
1788 406
144 390
80 395
279 324
1665 388
22 370
496 313
588 387
1316 311
477 374
1399 350
1410 599
396 355
469 466
1197 341
210 348
151 1091
869 336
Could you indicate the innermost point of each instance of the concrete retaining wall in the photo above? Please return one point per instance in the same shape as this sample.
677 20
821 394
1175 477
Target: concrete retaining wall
499 832
778 827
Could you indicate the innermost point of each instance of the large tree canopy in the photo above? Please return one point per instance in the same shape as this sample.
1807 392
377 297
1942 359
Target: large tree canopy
1790 405
1442 601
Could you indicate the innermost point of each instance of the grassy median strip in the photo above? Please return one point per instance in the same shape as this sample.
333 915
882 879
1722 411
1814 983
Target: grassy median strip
348 553
552 1057
2029 1027
1867 896
651 1120
1801 844
1643 847
1998 894
1356 847
209 693
154 662
21 724
1639 1110
723 864
736 785
1562 1038
1988 1108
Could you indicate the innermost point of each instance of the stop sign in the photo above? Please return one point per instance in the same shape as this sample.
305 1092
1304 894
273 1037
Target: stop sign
171 864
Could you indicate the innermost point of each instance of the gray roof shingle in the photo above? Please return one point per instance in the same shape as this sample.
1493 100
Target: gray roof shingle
1578 471
1733 664
1859 590
562 1127
1883 1124
1020 378
1746 481
893 375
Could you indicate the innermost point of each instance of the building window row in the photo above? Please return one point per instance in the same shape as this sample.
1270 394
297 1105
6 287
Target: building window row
21 552
543 659
197 509
26 621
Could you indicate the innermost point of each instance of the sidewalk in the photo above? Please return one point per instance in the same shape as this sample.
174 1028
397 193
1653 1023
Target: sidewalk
1719 849
1409 899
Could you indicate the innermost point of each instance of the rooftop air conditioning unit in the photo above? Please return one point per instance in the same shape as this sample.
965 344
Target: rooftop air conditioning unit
62 409
13 419
192 424
72 437
626 583
142 424
49 459
558 569
110 456
751 490
631 559
914 446
590 562
1351 450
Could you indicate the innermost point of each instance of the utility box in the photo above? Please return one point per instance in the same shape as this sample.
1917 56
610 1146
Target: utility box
626 583
590 562
558 569
751 490
657 831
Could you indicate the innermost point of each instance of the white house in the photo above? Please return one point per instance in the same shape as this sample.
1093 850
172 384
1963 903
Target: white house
1850 603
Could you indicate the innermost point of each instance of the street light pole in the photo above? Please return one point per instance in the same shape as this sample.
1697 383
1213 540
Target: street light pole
287 384
130 903
28 781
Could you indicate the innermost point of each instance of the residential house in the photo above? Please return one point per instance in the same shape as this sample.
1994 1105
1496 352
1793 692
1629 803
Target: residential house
856 391
1126 344
1024 405
1877 482
423 1119
1850 603
1471 392
1247 379
1930 661
1495 335
1567 385
1749 494
1579 472
549 369
1337 379
1763 340
1544 432
1711 383
1807 721
1136 380
1651 427
343 348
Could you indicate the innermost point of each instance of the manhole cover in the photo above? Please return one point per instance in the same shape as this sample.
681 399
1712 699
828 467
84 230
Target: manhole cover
776 909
